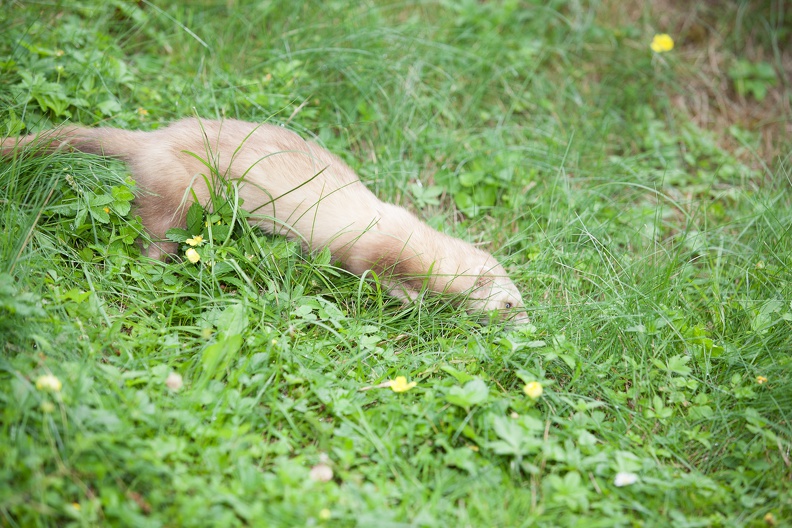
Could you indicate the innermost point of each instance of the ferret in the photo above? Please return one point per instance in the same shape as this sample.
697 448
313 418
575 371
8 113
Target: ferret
295 188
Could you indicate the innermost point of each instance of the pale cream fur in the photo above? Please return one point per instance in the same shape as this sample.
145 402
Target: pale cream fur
298 189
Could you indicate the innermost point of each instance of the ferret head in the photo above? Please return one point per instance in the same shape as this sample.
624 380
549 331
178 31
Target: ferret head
493 291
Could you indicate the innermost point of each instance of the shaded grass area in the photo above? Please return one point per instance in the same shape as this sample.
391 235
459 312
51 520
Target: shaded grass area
653 252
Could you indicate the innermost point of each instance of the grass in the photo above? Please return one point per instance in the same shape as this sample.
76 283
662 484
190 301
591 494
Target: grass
651 242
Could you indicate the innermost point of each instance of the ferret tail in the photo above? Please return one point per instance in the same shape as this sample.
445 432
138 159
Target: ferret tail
112 142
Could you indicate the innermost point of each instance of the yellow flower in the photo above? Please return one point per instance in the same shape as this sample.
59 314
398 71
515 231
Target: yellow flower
761 379
197 240
142 111
192 255
107 210
662 43
76 506
48 383
533 390
400 384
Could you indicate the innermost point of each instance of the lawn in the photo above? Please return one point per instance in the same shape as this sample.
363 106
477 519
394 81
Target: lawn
641 199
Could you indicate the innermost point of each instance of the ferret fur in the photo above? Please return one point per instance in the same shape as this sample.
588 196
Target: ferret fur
295 188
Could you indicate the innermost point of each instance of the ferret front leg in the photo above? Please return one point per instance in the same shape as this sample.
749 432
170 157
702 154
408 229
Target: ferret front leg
403 292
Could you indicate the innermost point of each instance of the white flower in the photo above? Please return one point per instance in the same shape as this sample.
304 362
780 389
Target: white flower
174 381
625 479
321 473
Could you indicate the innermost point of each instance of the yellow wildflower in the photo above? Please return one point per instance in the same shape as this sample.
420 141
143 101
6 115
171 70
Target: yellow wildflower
76 506
662 43
197 240
142 111
48 383
770 519
192 255
400 384
533 390
107 210
761 379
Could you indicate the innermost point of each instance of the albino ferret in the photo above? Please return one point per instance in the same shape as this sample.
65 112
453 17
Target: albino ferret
298 189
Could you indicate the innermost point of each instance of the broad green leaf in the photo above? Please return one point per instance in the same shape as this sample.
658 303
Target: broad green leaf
220 232
177 234
195 219
473 393
469 179
461 377
676 365
99 214
233 320
108 107
218 355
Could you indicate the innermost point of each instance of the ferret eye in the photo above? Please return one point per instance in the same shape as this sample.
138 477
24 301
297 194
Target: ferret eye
508 305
